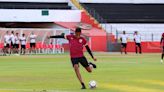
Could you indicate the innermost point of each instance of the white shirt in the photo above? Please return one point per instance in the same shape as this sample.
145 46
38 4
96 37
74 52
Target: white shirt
23 40
12 38
16 40
124 38
32 38
137 38
7 39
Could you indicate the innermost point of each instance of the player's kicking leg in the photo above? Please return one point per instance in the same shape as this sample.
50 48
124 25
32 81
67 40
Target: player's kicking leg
88 66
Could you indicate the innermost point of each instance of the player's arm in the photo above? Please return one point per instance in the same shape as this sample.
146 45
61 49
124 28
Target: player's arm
90 52
58 36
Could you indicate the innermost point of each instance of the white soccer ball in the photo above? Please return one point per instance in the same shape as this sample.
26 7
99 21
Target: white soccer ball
92 84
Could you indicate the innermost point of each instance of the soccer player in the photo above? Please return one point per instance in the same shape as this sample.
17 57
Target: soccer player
32 42
12 38
17 43
6 42
23 44
124 39
137 40
162 45
76 43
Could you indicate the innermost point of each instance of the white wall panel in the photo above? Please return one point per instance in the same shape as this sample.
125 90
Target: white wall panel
18 15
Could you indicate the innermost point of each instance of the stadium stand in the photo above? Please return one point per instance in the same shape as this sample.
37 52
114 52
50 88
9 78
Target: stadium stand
127 13
33 5
145 16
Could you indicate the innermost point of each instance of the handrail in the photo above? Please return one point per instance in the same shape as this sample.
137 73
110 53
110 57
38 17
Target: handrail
77 4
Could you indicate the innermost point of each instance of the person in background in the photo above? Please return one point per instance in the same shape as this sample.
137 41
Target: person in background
137 40
23 44
33 42
124 39
12 38
17 43
6 43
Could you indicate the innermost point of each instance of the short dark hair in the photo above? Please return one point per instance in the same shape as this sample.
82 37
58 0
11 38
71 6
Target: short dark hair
78 29
12 32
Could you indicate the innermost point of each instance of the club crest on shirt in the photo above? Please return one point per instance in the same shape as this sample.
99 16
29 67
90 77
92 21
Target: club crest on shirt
80 40
71 38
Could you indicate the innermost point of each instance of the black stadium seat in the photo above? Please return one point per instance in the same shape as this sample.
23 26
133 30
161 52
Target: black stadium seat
127 13
33 5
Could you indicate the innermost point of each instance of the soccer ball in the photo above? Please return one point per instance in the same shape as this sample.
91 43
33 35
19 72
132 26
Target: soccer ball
92 84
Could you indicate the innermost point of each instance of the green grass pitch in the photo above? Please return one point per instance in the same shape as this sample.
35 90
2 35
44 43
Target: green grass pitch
54 73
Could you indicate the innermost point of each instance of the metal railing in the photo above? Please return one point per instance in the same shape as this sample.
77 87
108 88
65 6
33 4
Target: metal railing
77 4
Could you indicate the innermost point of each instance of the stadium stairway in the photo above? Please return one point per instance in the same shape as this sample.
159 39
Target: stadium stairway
86 17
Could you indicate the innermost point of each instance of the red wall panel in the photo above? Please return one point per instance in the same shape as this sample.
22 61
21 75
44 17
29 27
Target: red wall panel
147 47
99 43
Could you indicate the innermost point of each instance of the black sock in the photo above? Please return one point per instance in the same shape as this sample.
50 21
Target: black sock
162 56
82 84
